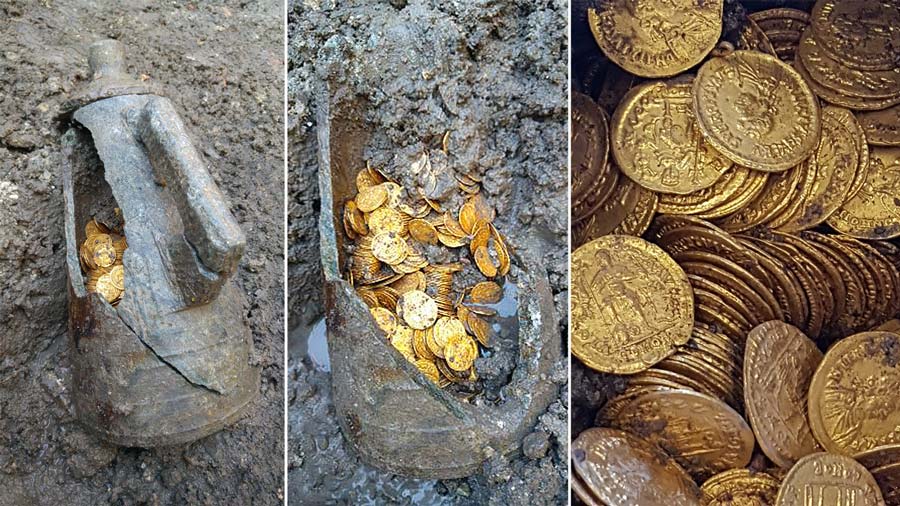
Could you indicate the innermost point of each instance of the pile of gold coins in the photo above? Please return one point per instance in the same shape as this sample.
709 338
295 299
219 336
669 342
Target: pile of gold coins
101 256
424 315
733 226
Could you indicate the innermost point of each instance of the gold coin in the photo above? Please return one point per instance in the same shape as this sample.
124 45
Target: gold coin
486 292
589 145
781 19
806 180
105 286
756 110
874 212
836 98
394 194
368 177
752 37
385 319
460 352
833 74
117 277
631 304
740 487
853 395
371 198
390 248
825 478
861 35
752 188
386 219
638 220
835 163
683 422
429 370
708 198
656 143
882 128
417 309
402 340
656 39
484 262
622 469
422 231
445 328
879 456
778 366
610 215
775 196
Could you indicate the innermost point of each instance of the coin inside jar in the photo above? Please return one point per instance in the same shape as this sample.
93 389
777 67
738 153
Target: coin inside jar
418 309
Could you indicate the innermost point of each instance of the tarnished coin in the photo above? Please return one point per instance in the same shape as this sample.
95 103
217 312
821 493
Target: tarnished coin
847 81
783 19
486 292
862 35
655 140
779 362
825 478
390 248
631 304
740 487
417 309
835 164
882 128
589 143
874 212
385 219
756 110
385 319
853 402
624 470
460 352
656 39
880 456
684 422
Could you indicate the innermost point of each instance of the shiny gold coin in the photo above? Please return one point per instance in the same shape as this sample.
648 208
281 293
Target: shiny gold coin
105 286
752 188
852 398
775 196
117 277
417 309
683 422
94 227
631 304
429 370
874 212
371 198
385 219
861 35
825 478
610 215
422 231
368 177
460 352
882 128
402 340
389 248
752 37
623 469
756 110
638 220
394 194
408 282
778 366
385 319
805 181
656 143
656 39
484 262
708 198
740 487
445 329
486 292
836 98
480 328
835 163
833 74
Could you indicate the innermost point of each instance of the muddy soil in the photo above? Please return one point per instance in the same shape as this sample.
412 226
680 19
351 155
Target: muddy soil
221 63
493 73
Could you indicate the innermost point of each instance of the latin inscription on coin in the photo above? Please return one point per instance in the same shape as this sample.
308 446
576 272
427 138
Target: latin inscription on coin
828 479
874 212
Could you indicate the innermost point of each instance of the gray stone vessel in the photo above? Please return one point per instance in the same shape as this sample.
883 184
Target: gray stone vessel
392 416
171 363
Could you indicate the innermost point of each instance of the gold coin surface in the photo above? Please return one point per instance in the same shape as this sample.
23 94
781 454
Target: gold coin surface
708 198
486 292
775 196
460 352
385 219
105 286
622 469
631 304
656 39
638 220
835 163
590 143
779 362
826 479
385 319
117 277
740 487
429 370
862 35
882 128
417 309
371 198
874 212
756 110
390 248
683 422
847 81
656 143
853 401
402 340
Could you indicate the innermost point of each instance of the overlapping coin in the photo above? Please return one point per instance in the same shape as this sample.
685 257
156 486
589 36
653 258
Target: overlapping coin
431 321
102 254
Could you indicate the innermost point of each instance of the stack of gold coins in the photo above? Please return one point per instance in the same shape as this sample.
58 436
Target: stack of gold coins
425 315
101 256
733 219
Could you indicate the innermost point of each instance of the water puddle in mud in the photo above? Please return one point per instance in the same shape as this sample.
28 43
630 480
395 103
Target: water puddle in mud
317 346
